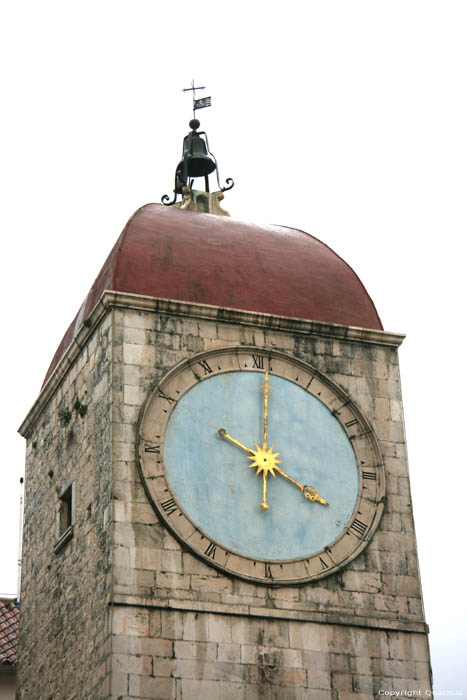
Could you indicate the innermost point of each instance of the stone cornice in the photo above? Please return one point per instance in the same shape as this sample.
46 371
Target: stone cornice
380 622
251 318
139 302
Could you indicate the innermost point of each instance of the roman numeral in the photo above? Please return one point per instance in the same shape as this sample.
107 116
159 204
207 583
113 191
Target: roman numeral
169 506
350 423
211 550
267 571
169 399
359 527
206 367
323 564
369 475
258 361
154 449
337 411
311 379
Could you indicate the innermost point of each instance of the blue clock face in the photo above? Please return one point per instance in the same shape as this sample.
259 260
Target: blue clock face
218 490
261 465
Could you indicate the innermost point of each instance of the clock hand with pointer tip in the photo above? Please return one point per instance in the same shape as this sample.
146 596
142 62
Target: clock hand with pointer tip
265 460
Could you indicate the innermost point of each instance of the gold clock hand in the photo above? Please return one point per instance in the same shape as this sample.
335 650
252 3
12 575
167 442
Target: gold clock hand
224 434
264 503
267 391
308 491
263 460
313 495
266 461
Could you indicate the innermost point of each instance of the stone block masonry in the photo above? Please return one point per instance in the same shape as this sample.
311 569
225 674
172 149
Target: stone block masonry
217 656
65 590
123 611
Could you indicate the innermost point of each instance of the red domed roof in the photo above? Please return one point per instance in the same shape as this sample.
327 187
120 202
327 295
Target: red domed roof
209 259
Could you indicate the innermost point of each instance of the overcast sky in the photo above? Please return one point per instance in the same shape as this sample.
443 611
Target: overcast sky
346 119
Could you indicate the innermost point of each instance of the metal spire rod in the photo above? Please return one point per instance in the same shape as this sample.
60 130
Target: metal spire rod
193 89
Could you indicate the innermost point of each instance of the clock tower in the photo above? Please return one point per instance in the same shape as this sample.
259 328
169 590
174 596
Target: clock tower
217 495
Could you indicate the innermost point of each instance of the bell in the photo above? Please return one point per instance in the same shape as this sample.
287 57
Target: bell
195 155
197 161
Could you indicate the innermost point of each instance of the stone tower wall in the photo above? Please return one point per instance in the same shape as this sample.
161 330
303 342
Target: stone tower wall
65 591
177 628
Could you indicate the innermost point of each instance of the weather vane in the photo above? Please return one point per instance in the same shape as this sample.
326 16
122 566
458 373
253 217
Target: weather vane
198 103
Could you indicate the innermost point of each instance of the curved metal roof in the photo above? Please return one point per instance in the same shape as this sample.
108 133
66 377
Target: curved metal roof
208 259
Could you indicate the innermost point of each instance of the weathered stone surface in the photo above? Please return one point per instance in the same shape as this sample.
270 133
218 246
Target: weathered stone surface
123 611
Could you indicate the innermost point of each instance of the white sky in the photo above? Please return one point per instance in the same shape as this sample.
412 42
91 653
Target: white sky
343 118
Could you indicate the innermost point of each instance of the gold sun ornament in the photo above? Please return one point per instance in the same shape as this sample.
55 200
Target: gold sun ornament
265 460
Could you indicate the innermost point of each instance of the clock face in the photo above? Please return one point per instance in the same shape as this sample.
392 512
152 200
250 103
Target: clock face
261 465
